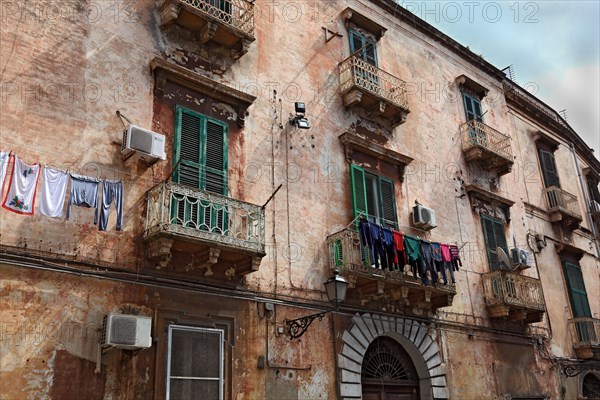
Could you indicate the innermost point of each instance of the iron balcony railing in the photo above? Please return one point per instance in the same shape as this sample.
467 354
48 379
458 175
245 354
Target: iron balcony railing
237 14
347 254
476 133
193 213
356 72
510 289
585 331
561 200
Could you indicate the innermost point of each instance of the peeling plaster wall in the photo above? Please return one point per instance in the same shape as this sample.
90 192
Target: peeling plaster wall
65 80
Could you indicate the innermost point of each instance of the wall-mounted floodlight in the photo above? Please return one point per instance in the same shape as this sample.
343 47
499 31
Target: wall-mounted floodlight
300 121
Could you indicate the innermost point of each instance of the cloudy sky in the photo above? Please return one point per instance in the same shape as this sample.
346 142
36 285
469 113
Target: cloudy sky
554 47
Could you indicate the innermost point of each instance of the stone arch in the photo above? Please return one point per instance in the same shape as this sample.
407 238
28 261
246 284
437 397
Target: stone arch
412 335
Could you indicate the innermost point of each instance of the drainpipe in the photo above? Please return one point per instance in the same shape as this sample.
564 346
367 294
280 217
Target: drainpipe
586 200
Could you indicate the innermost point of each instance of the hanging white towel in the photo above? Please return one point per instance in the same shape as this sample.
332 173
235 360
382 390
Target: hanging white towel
22 188
54 188
4 157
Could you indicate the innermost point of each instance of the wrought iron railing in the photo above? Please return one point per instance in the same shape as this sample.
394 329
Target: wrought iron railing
199 214
476 133
237 14
585 331
355 71
510 289
561 200
347 254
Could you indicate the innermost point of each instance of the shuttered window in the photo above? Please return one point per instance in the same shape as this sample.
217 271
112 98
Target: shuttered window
373 196
472 107
364 47
549 170
201 159
493 230
201 150
576 287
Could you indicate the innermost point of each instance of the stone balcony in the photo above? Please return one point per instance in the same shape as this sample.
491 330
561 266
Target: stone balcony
513 296
378 93
229 23
483 144
563 207
585 333
191 232
372 285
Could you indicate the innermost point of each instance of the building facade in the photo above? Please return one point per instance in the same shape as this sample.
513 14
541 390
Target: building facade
219 245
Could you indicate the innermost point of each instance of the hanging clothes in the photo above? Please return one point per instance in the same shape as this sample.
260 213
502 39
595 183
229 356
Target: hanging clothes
111 190
377 240
413 255
84 193
400 259
54 189
20 197
389 250
446 262
4 158
441 266
428 260
455 257
366 241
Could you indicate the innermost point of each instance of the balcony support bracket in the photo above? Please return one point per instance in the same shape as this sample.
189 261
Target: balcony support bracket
159 250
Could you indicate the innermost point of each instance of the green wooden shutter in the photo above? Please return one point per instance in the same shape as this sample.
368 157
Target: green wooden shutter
472 108
188 152
549 170
493 230
359 193
215 159
577 293
388 202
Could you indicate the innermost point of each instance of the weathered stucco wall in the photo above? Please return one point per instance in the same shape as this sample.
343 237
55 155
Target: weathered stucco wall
72 65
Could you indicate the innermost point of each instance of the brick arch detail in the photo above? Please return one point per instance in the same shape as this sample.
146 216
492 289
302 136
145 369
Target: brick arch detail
412 335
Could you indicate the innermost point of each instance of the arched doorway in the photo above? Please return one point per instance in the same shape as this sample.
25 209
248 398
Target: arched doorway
388 372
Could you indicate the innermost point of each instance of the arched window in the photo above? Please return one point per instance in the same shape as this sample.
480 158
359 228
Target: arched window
388 372
591 386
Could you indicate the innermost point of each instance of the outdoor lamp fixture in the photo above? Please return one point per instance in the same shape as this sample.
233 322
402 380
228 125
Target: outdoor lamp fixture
300 121
336 293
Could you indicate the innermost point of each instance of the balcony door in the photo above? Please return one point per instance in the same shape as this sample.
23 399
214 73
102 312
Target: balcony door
579 301
200 162
365 49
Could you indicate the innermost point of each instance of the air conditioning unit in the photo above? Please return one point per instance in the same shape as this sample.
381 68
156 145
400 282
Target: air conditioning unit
149 145
130 332
594 206
520 257
423 217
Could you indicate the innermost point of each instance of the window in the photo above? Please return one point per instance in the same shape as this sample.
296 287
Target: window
576 287
579 302
364 47
590 386
373 196
472 107
201 151
201 159
549 171
493 230
194 363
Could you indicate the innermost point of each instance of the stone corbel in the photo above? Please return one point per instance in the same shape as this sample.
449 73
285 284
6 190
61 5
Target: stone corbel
208 31
241 49
159 250
255 263
168 11
377 109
